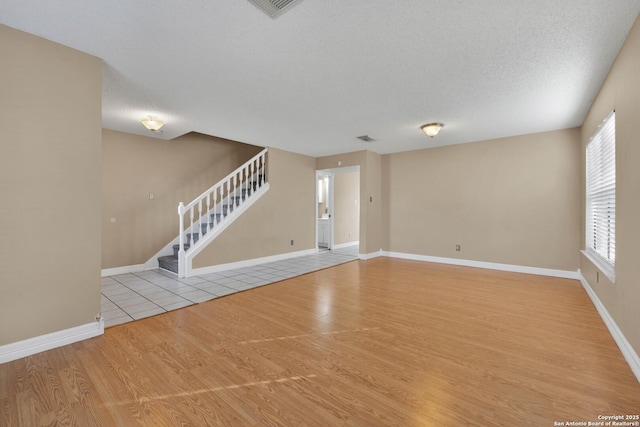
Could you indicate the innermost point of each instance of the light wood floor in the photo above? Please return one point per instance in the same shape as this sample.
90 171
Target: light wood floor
381 342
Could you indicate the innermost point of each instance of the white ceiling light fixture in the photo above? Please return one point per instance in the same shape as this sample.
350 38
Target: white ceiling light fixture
153 123
432 129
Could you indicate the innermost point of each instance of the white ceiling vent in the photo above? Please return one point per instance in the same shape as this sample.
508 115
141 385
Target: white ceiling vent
274 8
365 138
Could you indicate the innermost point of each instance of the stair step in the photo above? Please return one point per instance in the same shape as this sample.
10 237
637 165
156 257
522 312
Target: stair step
168 263
176 248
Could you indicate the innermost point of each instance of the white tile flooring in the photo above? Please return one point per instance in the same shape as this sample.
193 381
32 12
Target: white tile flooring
133 296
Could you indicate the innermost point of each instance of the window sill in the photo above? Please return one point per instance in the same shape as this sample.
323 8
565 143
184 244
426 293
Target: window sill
603 267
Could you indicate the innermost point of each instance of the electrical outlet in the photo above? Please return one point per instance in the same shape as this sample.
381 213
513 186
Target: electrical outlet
458 248
152 196
291 242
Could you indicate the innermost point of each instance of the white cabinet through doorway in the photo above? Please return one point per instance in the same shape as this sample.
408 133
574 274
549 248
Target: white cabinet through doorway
323 233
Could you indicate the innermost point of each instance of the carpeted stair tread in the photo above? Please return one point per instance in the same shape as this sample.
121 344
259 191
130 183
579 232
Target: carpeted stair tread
168 262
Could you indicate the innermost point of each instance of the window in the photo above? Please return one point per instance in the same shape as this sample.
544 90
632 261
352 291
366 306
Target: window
600 237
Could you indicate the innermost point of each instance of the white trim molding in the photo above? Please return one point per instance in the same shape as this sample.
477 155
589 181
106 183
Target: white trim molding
28 347
251 262
565 274
603 267
126 269
625 347
371 255
345 245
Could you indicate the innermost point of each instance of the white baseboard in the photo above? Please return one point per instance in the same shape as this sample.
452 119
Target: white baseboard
625 347
345 245
565 274
251 262
28 347
371 255
124 270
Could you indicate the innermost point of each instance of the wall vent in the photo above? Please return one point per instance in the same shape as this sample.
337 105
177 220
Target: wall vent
366 138
274 8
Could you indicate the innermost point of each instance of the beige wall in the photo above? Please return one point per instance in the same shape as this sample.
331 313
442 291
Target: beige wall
346 212
512 201
286 212
374 202
134 228
50 119
621 91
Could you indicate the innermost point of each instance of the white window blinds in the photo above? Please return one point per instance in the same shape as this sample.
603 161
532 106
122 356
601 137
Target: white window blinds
601 196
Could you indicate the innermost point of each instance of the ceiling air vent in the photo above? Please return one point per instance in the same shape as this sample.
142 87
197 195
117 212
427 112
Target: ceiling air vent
274 8
366 138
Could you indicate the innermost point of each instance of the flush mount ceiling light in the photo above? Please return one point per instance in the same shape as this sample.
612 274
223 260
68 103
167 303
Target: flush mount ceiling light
432 129
153 123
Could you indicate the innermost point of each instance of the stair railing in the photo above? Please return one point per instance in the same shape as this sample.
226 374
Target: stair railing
215 205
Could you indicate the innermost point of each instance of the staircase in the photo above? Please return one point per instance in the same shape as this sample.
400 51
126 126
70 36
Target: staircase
213 211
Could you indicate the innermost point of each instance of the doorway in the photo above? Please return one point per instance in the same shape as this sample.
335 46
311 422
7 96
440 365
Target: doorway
338 208
324 217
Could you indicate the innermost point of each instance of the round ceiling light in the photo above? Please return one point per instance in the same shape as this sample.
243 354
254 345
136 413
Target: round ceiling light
153 123
432 129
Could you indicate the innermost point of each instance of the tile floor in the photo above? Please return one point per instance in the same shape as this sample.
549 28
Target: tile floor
133 296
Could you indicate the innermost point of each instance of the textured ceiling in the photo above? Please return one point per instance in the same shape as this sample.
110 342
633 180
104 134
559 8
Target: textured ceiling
328 71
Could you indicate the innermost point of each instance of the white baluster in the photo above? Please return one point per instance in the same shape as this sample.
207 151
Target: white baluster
191 215
233 190
213 195
243 178
256 167
239 187
200 217
258 172
264 171
229 207
181 257
209 222
219 201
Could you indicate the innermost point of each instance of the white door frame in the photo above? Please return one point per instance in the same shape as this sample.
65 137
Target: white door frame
332 173
330 188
